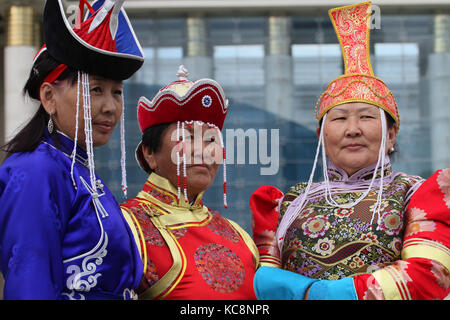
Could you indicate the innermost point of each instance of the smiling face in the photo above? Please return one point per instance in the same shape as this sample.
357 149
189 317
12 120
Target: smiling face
60 100
203 156
352 135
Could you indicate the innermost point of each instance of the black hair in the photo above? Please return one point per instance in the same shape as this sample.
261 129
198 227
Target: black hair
391 123
390 120
152 137
29 137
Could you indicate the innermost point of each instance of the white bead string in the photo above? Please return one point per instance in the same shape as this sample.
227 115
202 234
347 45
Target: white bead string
178 161
88 129
74 151
288 219
220 136
184 164
225 204
123 150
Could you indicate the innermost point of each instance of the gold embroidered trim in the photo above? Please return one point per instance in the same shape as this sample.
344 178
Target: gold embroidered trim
339 37
389 92
137 235
247 240
392 284
368 244
176 271
432 252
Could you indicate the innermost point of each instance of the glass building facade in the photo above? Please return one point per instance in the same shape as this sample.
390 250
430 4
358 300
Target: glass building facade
273 70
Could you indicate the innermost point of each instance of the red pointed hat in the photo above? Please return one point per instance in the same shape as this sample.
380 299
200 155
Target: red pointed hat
185 101
103 44
358 84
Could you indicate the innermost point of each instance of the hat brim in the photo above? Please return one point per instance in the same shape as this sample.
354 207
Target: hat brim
64 45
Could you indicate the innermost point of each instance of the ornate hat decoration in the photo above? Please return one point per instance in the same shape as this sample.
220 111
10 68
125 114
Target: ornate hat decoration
184 102
103 44
358 84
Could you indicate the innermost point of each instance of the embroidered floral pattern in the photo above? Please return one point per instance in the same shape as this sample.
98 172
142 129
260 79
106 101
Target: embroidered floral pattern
221 268
315 226
163 197
306 212
340 212
358 83
443 181
370 236
222 227
383 206
374 291
402 267
331 242
324 246
391 222
441 273
151 234
179 232
417 223
396 245
356 263
151 274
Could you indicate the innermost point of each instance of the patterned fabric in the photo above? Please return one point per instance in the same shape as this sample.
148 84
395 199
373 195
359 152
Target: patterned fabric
358 84
407 257
191 251
358 88
326 242
423 272
220 267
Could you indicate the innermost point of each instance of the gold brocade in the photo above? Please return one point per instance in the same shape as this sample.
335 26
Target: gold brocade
358 84
327 242
421 248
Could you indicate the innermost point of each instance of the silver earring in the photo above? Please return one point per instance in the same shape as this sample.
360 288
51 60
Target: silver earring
391 149
50 124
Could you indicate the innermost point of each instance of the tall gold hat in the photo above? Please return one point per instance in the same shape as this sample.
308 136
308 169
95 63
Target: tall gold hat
358 84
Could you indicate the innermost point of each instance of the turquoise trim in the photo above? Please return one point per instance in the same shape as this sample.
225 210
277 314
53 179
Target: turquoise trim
343 289
276 284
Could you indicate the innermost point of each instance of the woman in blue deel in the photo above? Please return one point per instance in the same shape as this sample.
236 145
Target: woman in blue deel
62 234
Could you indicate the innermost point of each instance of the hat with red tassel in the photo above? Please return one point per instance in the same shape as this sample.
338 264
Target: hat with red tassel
184 102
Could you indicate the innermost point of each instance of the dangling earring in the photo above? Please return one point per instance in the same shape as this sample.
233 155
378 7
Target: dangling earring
50 124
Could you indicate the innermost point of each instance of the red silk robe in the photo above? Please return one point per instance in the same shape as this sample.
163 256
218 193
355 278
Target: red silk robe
189 251
423 271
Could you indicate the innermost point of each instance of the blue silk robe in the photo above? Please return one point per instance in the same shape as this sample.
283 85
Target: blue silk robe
54 243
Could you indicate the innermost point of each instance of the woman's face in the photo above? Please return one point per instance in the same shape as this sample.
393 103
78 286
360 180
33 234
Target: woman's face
106 108
352 135
203 156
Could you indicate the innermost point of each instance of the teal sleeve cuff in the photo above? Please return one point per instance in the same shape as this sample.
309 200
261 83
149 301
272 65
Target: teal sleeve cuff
278 284
343 289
